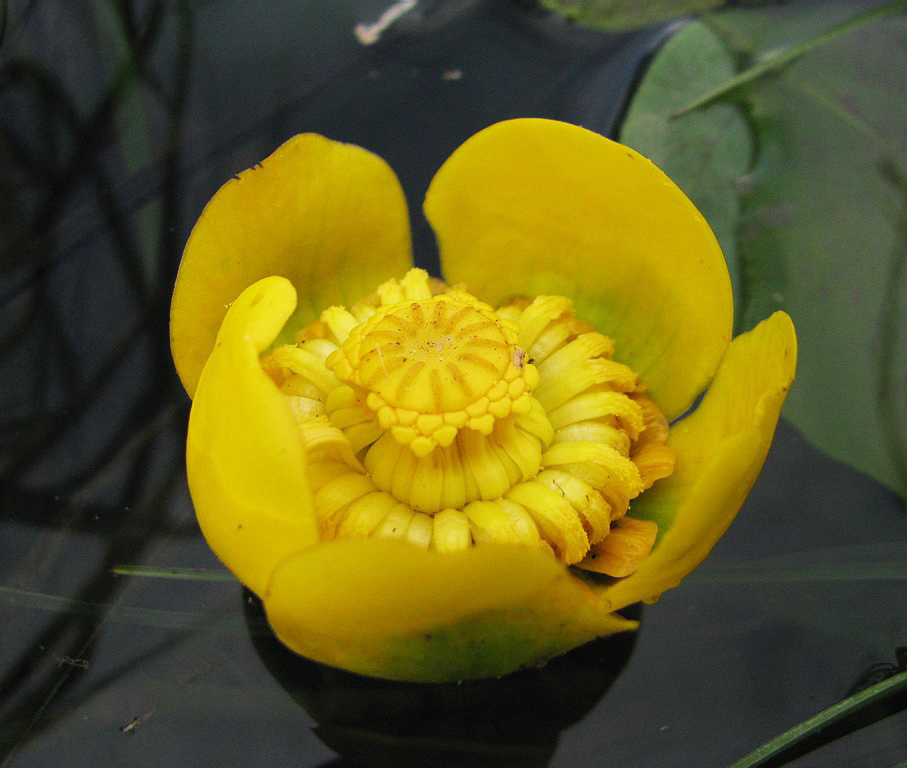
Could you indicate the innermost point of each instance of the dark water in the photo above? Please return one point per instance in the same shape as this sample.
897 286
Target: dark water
117 122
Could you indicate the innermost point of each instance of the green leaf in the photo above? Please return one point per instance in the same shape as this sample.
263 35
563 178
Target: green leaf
625 14
709 151
222 620
778 60
822 227
876 562
821 238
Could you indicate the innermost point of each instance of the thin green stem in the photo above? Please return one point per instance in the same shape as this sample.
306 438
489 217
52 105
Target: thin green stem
813 572
786 57
182 574
846 708
116 612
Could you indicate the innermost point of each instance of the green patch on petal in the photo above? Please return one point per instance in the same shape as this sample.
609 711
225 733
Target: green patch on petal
387 609
488 646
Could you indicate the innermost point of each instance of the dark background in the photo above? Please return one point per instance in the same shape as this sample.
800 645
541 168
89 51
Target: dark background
118 121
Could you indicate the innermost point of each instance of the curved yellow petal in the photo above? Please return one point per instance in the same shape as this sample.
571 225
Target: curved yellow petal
244 456
720 450
387 609
535 206
328 216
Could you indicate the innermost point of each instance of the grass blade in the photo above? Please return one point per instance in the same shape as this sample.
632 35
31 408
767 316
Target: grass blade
846 708
172 572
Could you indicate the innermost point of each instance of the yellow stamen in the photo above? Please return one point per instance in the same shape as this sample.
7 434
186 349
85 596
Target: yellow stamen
537 316
555 392
594 511
451 531
395 523
526 529
420 531
655 424
620 554
364 514
305 361
339 322
655 461
599 465
324 441
556 519
488 523
599 403
430 417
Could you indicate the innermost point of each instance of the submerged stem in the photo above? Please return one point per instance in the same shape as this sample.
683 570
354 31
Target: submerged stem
837 712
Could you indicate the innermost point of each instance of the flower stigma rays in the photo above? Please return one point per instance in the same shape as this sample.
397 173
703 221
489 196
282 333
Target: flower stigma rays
431 417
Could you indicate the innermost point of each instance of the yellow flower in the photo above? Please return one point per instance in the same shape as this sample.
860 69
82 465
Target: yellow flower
417 477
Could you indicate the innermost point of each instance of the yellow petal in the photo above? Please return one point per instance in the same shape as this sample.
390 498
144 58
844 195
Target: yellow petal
244 454
535 206
720 450
389 609
330 217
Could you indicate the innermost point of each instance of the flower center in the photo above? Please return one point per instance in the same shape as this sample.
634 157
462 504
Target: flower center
429 416
431 368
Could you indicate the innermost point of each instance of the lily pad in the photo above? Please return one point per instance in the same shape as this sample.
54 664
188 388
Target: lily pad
709 151
821 231
625 14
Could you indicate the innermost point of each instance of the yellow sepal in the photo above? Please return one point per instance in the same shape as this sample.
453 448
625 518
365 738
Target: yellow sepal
388 609
328 216
720 450
244 453
535 206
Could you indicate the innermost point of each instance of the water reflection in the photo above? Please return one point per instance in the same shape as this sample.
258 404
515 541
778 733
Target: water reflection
118 120
510 721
